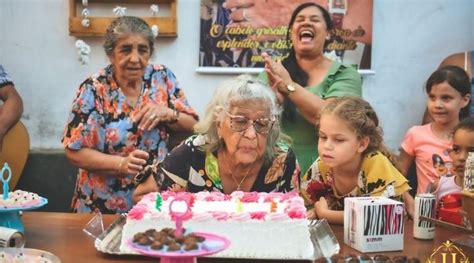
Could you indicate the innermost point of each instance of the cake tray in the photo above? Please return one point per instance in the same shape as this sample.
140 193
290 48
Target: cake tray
324 241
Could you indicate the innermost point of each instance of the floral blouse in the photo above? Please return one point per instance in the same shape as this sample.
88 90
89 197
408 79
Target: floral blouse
100 120
188 168
5 79
378 177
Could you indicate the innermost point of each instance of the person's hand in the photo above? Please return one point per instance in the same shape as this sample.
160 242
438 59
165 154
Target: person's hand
311 214
278 76
320 207
260 14
133 163
409 205
152 114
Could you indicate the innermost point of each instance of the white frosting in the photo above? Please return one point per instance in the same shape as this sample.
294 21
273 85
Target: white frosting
273 236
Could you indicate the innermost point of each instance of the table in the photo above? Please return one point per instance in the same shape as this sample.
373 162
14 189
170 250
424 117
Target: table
61 234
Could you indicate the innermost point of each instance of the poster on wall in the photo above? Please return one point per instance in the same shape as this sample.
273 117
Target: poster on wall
234 33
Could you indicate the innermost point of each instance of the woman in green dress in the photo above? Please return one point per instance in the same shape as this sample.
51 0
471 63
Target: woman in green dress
306 79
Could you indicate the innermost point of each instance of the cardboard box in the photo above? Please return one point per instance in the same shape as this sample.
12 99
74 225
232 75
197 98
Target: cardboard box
373 224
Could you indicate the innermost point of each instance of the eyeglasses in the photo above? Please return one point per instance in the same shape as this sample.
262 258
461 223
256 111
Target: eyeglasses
241 123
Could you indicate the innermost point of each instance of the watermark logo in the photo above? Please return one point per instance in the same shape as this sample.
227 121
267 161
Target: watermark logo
448 253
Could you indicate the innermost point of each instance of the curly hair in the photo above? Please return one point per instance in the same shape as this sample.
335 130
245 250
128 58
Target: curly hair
363 120
232 93
125 25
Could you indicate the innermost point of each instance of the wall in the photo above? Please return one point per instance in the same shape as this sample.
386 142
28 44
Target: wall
410 39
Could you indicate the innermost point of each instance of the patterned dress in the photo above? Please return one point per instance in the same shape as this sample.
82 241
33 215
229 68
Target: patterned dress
188 168
378 177
5 79
100 120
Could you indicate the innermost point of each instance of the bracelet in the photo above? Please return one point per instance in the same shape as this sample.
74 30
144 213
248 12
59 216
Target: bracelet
176 117
120 165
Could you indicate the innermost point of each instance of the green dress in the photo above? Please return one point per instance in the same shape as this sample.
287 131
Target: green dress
340 81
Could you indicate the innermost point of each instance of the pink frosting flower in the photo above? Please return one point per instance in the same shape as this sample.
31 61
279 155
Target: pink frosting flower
237 194
297 212
137 212
167 194
272 196
249 197
258 215
289 195
151 197
216 196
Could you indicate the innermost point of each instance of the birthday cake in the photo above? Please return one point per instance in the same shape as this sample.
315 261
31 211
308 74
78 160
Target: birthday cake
258 225
19 199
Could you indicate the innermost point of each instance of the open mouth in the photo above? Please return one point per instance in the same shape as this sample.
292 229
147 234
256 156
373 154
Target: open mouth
306 36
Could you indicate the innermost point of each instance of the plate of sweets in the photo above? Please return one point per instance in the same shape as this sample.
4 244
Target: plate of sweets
176 245
166 243
8 255
11 203
21 200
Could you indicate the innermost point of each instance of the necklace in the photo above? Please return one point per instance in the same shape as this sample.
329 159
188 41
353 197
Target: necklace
234 179
241 181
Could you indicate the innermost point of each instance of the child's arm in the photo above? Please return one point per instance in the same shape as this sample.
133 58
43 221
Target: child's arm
433 187
323 212
409 204
404 161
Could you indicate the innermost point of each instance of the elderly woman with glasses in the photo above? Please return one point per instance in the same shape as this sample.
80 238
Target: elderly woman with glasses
238 147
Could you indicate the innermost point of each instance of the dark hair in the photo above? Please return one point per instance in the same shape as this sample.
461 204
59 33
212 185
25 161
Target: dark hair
466 124
124 25
297 74
456 78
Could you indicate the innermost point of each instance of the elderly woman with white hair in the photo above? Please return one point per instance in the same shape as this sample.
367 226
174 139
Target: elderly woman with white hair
238 147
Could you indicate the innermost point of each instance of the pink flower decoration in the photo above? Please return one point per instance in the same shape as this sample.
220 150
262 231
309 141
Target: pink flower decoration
289 195
216 196
237 194
272 196
258 215
167 194
137 212
249 197
296 212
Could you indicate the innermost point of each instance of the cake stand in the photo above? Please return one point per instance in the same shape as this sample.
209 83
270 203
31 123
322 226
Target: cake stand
10 216
180 210
211 245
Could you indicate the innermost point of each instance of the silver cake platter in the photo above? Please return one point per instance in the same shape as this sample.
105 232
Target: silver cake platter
324 241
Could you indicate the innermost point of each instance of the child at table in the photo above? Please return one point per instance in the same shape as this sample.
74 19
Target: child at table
448 188
463 143
449 93
353 161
